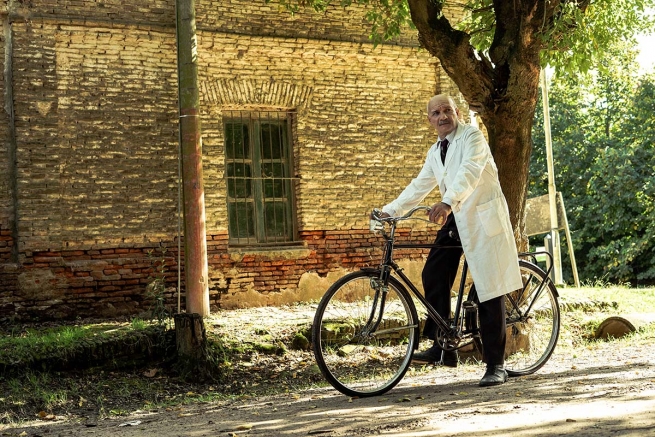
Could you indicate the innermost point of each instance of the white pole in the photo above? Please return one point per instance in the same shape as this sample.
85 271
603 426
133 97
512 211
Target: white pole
552 192
574 266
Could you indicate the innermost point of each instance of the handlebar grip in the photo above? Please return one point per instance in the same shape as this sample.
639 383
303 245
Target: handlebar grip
375 225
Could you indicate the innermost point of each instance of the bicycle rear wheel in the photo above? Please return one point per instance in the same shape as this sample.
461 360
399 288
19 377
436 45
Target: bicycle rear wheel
364 334
533 322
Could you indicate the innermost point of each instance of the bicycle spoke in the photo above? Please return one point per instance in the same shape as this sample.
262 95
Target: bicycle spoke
533 322
363 338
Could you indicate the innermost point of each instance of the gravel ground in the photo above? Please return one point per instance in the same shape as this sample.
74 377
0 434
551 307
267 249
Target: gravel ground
595 389
604 391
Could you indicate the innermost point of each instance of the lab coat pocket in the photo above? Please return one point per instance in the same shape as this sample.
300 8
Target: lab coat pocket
490 214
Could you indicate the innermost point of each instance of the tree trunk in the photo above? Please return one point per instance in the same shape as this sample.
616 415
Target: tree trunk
510 139
619 326
194 362
190 336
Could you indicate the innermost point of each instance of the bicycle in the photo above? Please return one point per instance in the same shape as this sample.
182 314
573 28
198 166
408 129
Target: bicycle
366 326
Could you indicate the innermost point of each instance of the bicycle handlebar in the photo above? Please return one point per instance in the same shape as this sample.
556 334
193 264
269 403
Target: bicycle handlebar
376 214
377 222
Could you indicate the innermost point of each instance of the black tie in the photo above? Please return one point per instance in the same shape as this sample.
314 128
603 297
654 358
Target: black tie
444 149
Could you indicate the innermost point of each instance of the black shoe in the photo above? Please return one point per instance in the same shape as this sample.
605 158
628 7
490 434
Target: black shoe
495 375
434 356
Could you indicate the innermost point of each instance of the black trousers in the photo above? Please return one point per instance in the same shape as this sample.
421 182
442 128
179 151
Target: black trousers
438 278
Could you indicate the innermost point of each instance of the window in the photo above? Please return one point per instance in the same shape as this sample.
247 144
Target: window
258 167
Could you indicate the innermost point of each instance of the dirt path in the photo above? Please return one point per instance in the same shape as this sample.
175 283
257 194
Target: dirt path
605 390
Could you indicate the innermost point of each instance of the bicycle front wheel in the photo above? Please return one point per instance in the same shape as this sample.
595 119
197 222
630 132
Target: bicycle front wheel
533 322
364 334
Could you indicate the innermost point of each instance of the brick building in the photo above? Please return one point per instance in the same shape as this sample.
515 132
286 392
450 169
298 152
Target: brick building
306 126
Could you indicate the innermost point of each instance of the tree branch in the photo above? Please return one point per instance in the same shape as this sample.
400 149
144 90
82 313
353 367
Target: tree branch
452 47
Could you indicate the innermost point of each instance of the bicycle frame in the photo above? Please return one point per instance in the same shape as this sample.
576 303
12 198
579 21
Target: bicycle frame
366 327
541 285
452 333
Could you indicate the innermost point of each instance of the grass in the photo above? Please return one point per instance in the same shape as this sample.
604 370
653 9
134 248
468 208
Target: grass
27 347
580 322
254 351
628 300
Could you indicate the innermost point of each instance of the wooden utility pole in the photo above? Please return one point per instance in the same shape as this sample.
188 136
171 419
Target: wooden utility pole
195 242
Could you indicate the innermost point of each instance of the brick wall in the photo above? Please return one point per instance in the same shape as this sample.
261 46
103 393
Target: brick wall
95 185
360 110
97 137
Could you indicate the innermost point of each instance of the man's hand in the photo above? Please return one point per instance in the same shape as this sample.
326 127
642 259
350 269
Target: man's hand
381 214
439 213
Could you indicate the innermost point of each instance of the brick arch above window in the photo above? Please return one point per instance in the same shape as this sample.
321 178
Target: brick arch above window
266 93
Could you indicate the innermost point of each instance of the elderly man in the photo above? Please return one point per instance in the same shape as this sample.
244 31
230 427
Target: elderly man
473 210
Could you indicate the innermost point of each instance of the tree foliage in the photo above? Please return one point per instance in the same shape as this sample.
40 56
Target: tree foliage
574 33
603 134
494 56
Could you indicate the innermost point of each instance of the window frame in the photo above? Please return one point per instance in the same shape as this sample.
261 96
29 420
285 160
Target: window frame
256 181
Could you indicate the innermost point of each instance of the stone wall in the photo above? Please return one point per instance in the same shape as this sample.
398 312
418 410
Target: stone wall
89 185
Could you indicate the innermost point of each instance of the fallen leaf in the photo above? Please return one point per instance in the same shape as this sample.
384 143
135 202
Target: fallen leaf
45 416
150 373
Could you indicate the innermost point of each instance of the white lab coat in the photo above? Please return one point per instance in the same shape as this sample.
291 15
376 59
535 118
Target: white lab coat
468 182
